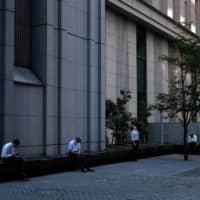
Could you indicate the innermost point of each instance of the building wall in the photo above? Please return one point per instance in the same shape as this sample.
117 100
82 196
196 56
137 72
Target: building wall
173 132
76 65
62 95
183 11
121 61
121 69
121 58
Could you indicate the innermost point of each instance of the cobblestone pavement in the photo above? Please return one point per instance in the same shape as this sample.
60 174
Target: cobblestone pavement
160 178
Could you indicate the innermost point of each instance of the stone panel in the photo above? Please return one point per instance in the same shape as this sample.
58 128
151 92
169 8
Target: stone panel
82 77
68 103
82 17
69 75
39 17
69 16
51 135
69 47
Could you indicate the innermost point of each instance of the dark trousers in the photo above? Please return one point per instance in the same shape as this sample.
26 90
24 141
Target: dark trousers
192 147
135 147
17 164
78 161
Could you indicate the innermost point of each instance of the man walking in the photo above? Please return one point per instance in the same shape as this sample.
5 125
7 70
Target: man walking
135 141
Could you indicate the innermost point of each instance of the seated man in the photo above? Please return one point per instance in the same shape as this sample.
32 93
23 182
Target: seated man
192 140
10 156
79 161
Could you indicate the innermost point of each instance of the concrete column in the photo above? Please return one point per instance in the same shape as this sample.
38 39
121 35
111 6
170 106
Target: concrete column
164 67
45 62
132 64
102 76
198 16
6 69
188 13
176 10
156 3
150 73
95 74
53 90
193 16
148 1
164 6
182 12
170 8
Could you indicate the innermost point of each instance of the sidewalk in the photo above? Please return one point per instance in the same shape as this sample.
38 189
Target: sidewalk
166 177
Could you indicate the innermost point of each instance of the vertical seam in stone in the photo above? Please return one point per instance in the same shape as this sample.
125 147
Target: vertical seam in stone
45 116
2 91
88 76
59 74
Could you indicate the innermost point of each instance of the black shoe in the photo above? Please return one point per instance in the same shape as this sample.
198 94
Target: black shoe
84 170
90 170
24 179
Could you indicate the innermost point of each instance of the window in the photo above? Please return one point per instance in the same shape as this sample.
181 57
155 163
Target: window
23 33
141 73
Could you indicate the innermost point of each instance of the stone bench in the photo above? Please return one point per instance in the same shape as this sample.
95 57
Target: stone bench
62 163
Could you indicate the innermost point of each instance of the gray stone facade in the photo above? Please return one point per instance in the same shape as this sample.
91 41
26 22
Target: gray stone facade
83 51
62 95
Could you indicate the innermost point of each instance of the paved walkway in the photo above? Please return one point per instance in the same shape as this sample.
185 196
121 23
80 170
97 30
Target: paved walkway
160 178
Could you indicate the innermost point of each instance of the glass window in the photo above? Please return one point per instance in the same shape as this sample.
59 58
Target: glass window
141 73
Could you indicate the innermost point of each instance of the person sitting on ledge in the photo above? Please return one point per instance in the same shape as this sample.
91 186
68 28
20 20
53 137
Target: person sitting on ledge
74 148
11 157
192 140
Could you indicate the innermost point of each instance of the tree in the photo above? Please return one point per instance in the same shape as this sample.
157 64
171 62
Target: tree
183 100
118 119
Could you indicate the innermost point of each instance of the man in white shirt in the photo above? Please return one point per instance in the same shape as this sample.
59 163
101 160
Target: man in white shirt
135 137
192 140
10 157
74 148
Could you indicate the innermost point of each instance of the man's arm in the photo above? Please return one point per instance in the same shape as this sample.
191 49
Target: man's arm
7 152
70 149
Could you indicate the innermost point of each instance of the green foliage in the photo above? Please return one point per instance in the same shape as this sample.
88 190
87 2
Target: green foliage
118 118
183 100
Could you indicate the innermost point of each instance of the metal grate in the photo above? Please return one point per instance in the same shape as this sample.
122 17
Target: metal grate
23 33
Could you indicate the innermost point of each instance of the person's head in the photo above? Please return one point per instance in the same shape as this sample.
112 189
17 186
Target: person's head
15 142
134 127
78 139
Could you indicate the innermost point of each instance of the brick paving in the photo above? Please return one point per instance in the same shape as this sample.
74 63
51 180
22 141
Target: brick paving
160 178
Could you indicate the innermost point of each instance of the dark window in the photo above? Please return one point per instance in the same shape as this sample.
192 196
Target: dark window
23 33
141 73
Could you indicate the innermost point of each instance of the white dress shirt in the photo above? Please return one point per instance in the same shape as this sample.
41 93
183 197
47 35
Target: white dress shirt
192 139
135 135
74 146
7 150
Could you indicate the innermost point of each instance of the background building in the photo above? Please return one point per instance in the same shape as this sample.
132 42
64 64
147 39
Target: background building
61 59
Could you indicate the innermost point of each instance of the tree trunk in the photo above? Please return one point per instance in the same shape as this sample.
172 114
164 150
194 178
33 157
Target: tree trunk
185 142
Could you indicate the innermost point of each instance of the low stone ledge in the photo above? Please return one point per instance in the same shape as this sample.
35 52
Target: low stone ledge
180 149
113 154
